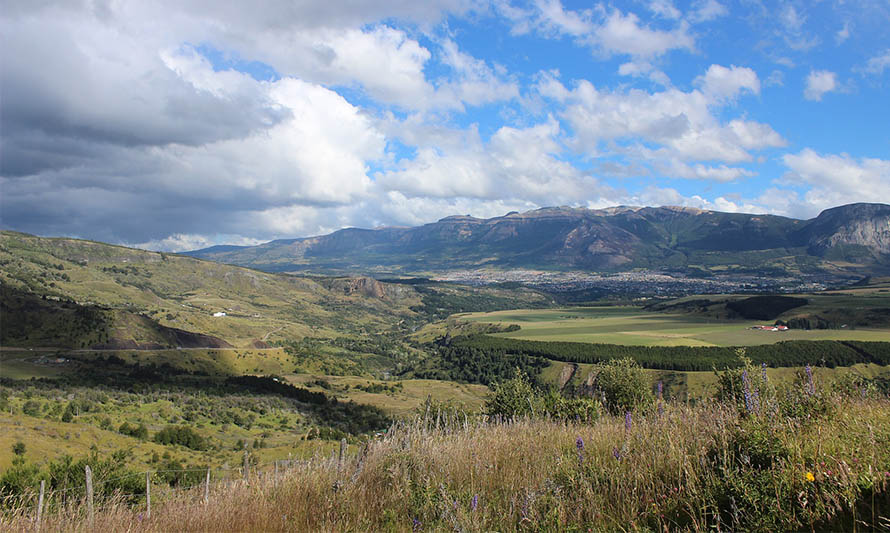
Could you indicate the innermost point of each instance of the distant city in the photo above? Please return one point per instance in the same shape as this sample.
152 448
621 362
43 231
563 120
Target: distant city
646 282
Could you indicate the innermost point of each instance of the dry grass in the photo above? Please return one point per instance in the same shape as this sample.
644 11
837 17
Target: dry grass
689 468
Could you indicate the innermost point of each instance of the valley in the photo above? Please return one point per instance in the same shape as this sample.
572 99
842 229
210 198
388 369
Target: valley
166 363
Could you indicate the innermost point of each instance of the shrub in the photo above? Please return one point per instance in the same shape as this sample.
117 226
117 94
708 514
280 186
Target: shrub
181 435
514 397
623 385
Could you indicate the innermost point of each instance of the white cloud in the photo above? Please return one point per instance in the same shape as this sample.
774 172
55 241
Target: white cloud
181 242
877 64
665 9
843 34
518 164
793 22
608 32
838 179
820 82
624 34
684 124
722 173
720 83
707 10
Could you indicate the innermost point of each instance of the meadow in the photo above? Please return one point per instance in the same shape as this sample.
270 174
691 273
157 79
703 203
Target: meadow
818 463
635 327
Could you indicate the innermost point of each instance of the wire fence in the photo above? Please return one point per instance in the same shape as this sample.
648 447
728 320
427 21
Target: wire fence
42 500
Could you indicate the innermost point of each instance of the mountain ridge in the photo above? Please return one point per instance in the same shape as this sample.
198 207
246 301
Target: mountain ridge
852 239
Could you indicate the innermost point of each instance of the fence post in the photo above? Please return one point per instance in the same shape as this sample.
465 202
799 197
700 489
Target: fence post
147 495
40 503
89 476
246 465
207 487
342 452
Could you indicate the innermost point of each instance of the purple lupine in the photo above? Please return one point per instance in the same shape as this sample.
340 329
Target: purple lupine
660 389
474 503
811 389
763 373
627 421
579 444
660 409
616 454
416 525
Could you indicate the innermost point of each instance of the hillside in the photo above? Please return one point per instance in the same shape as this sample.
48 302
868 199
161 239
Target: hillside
853 239
71 293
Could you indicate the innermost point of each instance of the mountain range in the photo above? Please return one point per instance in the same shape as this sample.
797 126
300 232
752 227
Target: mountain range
850 239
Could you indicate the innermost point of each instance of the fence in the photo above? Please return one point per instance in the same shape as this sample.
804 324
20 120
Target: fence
38 503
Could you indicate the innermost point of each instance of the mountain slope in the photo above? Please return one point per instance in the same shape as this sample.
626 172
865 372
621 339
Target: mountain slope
613 239
69 293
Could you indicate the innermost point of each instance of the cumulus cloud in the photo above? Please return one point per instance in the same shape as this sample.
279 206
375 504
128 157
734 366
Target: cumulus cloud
818 83
721 83
684 124
837 179
607 32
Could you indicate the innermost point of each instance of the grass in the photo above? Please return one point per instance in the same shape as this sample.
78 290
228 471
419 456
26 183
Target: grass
694 468
634 327
410 394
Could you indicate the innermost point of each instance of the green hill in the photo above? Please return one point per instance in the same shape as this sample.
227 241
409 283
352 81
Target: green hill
72 293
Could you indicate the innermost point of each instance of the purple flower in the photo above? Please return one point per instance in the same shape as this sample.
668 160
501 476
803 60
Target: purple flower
474 503
811 389
616 454
660 389
579 443
627 421
763 372
416 525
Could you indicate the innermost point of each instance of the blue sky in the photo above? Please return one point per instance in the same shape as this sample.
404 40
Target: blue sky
177 125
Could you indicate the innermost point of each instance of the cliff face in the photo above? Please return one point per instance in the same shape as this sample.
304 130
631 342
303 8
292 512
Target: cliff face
857 225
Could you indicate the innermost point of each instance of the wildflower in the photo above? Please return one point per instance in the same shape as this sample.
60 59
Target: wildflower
416 525
579 444
660 389
627 421
810 477
811 389
763 372
474 503
616 454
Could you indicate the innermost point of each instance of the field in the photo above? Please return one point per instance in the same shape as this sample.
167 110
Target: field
636 327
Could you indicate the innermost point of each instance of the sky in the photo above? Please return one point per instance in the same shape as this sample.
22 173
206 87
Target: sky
179 124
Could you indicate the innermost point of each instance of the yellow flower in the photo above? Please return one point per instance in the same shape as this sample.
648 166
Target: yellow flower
811 477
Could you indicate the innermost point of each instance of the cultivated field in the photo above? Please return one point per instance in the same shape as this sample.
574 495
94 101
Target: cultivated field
635 327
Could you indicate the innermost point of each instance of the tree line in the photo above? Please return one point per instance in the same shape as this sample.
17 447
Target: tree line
681 358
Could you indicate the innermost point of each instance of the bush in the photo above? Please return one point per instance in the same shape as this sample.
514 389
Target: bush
622 385
514 397
181 435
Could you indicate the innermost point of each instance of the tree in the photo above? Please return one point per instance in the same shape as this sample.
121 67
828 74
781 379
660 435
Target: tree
18 448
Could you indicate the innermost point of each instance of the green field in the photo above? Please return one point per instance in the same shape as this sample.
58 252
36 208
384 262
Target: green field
635 327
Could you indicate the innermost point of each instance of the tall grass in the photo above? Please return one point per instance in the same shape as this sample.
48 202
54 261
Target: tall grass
681 468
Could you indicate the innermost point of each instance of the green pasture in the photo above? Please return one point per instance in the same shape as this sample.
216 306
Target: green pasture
411 395
635 327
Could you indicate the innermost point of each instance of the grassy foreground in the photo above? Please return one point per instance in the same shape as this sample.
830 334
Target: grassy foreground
676 467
